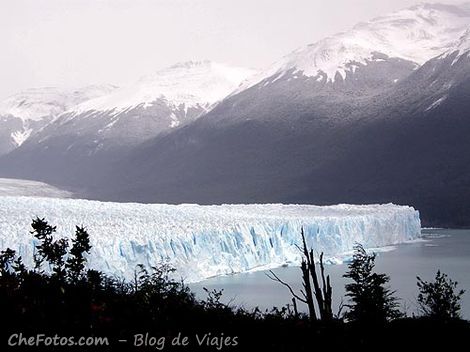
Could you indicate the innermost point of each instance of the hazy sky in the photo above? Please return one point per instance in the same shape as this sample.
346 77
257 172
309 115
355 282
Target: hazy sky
71 43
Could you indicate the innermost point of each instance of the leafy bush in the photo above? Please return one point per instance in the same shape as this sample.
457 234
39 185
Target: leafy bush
372 300
439 299
60 296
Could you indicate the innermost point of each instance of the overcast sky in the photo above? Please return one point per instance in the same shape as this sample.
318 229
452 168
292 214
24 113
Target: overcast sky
71 43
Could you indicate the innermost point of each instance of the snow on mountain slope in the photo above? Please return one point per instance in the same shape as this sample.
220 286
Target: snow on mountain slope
25 113
462 48
132 115
416 34
200 83
15 187
34 103
464 45
203 241
37 103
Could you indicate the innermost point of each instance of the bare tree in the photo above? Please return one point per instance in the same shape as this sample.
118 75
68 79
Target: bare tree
309 294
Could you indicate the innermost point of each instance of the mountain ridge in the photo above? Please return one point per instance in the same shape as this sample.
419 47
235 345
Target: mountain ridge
415 34
390 128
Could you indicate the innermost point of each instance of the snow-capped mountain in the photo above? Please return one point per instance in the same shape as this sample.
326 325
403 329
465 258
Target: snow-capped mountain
416 34
394 130
37 103
99 131
156 103
375 114
461 48
189 85
464 44
25 113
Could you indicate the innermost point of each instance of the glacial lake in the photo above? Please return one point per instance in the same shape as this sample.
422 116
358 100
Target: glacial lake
440 249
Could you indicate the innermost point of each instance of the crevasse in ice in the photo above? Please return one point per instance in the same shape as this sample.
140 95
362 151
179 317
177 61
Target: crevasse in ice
204 241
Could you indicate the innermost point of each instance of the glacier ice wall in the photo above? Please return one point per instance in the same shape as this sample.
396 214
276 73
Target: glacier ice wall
204 241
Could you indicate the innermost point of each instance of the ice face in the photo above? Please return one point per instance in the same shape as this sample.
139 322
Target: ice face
204 241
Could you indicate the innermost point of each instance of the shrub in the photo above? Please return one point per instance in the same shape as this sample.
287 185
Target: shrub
439 299
372 300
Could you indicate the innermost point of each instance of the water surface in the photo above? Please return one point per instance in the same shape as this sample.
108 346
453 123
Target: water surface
445 250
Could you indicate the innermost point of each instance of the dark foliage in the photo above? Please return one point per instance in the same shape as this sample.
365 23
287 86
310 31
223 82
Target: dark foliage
439 299
59 296
50 250
371 300
75 264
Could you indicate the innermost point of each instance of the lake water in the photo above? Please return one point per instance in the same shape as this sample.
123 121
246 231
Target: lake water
445 250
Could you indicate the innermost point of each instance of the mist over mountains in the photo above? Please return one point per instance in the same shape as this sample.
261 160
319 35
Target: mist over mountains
379 113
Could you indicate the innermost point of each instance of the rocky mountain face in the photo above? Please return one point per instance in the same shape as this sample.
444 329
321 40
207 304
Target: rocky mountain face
408 148
392 129
80 143
155 104
25 113
375 114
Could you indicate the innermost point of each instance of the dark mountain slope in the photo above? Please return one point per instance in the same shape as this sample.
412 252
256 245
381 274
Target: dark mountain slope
268 145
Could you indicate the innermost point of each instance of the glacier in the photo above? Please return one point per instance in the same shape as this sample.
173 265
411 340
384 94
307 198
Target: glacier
28 188
205 241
